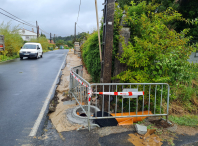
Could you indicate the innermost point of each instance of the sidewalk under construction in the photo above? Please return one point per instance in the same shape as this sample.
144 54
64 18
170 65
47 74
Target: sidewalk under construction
57 132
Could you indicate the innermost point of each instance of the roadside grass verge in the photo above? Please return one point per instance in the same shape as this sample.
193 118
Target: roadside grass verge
6 58
185 120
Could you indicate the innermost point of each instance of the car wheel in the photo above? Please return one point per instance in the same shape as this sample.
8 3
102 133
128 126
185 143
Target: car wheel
37 56
21 58
42 55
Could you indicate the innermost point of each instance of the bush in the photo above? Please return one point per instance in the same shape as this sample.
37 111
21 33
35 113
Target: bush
156 53
43 41
13 41
91 56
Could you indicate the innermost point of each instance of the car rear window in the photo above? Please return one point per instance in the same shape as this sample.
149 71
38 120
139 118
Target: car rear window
29 46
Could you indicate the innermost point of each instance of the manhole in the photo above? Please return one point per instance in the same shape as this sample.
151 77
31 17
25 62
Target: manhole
81 117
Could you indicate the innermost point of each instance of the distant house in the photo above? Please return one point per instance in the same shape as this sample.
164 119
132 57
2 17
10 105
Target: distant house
27 35
52 42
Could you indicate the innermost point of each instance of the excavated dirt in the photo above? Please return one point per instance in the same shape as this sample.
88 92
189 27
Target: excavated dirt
58 109
160 123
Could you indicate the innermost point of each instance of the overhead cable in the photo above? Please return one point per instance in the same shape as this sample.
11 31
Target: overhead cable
17 17
21 21
80 28
16 20
78 11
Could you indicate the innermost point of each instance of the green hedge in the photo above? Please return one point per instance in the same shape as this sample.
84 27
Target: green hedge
91 56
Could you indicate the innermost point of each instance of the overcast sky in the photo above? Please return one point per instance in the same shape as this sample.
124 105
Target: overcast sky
55 16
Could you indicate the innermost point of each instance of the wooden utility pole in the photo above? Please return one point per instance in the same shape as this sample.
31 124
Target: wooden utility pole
54 38
107 46
75 32
38 32
37 29
50 38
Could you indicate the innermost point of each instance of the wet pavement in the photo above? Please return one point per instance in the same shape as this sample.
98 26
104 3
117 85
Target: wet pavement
85 138
24 86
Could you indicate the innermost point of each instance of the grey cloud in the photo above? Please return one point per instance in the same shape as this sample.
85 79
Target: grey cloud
55 16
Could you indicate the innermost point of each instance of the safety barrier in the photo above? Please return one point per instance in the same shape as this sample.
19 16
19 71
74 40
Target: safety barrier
121 100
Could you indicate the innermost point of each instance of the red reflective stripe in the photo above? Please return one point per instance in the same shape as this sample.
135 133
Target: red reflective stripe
1 45
143 92
115 93
89 99
100 92
130 93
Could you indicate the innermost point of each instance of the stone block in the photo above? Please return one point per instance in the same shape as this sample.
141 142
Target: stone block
141 129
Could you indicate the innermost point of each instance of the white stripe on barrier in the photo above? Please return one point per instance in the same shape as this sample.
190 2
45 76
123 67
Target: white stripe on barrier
120 93
78 79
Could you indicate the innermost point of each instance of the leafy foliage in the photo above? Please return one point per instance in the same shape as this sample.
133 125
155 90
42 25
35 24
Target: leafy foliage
156 53
60 42
13 41
43 41
189 10
91 56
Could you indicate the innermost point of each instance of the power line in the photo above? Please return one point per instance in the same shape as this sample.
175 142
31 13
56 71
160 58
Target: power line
17 17
16 20
78 11
80 28
44 31
24 22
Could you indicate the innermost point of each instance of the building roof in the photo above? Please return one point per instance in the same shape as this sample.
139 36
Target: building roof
27 32
52 42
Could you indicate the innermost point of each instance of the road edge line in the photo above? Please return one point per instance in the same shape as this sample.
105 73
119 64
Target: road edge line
41 114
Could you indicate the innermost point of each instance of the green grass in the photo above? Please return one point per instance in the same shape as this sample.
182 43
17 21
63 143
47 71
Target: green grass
5 58
186 120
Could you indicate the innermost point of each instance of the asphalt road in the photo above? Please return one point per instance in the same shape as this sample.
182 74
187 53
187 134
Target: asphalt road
24 86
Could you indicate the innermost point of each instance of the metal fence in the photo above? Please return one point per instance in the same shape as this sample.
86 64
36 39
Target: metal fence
112 97
76 89
155 99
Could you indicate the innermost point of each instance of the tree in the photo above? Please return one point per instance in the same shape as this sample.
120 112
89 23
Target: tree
70 44
188 9
43 35
60 42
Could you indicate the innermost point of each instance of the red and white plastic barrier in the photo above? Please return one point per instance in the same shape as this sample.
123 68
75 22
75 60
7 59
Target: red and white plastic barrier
78 79
120 93
90 92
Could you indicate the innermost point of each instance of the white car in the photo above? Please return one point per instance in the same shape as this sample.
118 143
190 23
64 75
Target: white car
31 50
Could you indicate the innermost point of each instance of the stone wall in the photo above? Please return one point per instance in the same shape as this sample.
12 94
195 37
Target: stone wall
77 49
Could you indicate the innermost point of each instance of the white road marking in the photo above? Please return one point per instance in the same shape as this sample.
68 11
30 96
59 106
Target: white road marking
40 117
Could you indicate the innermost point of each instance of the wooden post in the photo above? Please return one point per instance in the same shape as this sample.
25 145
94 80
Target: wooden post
50 38
98 29
106 65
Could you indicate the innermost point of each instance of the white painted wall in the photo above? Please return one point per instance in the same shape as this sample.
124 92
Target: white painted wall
27 35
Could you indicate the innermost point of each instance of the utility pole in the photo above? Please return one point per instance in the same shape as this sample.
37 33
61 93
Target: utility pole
37 29
107 46
38 32
75 32
50 38
54 38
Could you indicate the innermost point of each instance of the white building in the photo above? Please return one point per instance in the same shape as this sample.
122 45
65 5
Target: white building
27 35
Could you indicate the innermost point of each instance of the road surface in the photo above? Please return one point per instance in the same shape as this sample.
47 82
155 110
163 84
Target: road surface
24 86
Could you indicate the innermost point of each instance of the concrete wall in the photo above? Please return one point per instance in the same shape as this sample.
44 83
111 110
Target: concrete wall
193 57
120 67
